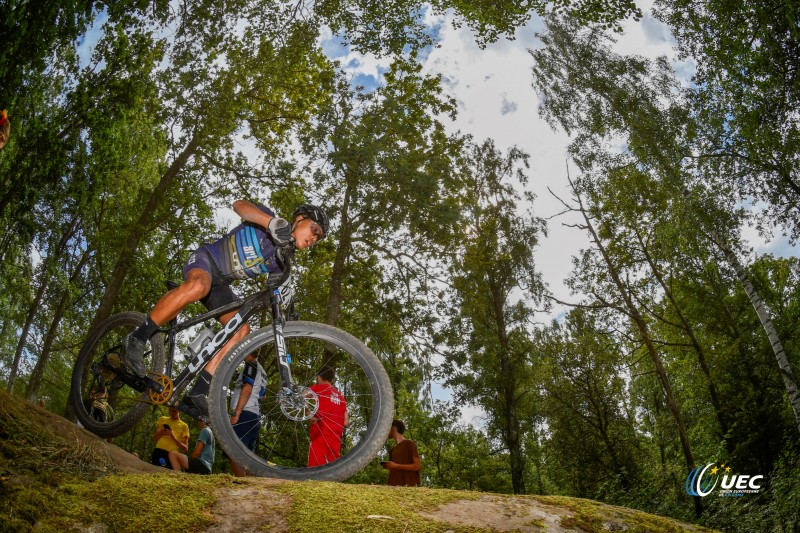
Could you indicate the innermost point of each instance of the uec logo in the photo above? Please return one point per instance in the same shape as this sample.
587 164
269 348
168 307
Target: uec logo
701 481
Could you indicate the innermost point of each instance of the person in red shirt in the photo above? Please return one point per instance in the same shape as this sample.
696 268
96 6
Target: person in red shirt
5 128
328 424
404 463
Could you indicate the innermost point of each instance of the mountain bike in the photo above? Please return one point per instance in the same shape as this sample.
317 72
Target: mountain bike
291 353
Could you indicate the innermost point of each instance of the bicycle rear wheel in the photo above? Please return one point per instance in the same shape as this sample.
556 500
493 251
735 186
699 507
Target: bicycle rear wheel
282 447
99 364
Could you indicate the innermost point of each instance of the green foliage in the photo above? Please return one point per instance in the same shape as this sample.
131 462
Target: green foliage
490 357
660 212
744 95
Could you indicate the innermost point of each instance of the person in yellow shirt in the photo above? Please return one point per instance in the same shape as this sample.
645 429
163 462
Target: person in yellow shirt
172 435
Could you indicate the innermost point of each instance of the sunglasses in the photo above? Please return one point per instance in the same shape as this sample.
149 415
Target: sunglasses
316 230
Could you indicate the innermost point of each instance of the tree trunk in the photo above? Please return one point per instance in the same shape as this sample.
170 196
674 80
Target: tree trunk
36 304
787 374
35 381
138 231
37 300
644 331
712 389
511 430
346 230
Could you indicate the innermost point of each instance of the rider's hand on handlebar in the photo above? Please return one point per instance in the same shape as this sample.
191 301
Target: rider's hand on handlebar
280 230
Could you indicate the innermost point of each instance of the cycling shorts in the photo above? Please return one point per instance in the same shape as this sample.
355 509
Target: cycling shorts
221 292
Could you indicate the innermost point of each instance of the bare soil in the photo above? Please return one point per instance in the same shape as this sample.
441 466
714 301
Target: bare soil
269 513
503 514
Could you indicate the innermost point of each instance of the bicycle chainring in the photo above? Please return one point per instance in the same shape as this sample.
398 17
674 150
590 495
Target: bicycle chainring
159 398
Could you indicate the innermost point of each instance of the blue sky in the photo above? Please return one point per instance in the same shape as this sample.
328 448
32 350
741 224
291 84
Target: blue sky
496 100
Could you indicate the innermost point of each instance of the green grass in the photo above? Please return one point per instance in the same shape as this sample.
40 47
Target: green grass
321 506
121 503
51 483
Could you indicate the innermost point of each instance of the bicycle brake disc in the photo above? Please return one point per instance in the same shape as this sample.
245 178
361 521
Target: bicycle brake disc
299 404
160 398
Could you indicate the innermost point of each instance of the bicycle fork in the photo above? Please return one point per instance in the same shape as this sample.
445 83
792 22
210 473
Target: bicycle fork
284 358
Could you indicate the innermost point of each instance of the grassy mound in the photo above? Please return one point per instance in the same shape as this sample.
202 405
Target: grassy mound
57 477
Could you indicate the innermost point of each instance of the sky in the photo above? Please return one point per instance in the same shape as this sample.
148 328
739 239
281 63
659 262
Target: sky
493 88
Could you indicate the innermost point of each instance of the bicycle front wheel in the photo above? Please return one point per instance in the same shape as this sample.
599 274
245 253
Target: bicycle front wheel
103 403
281 446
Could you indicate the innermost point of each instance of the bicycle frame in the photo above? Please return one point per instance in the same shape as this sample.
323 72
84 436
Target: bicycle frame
270 297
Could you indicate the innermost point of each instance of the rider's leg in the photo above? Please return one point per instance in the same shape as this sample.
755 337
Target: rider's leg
200 388
195 287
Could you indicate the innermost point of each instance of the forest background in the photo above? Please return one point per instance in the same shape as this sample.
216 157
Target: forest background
680 346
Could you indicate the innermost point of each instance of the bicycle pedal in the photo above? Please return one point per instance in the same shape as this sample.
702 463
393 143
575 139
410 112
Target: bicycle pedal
154 385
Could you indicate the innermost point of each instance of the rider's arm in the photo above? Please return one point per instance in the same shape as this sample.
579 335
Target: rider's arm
251 213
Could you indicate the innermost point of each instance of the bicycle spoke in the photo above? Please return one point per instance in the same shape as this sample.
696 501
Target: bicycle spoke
290 418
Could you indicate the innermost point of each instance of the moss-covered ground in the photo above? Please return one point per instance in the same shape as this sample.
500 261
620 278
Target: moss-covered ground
50 481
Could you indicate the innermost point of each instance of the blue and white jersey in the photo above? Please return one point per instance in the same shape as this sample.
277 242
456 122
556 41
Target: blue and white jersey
244 252
253 374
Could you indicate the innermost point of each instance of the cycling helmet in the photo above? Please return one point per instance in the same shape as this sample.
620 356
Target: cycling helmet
314 213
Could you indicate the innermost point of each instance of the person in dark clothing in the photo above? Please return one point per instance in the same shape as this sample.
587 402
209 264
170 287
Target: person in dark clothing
404 462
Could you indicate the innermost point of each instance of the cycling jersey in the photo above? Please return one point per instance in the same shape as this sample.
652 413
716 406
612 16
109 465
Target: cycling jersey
252 374
244 252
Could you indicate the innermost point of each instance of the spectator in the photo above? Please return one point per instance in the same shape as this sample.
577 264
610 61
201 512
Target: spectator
99 399
5 128
404 462
172 434
328 423
246 418
202 459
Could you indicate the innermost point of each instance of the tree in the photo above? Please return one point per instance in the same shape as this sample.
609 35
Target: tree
745 93
490 356
583 378
621 297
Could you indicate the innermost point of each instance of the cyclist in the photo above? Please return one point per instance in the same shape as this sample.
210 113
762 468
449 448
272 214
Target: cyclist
247 251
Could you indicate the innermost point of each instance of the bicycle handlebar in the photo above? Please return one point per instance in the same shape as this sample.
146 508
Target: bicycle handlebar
283 256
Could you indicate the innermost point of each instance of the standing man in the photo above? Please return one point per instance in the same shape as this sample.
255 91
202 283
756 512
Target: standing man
328 424
246 403
172 435
202 459
404 463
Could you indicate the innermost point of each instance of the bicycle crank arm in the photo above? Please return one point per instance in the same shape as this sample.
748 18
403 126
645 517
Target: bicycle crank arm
135 382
